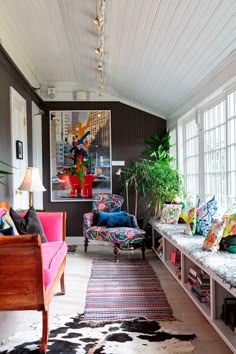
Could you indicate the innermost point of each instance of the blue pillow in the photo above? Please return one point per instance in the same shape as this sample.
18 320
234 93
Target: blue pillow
103 217
119 221
115 210
7 232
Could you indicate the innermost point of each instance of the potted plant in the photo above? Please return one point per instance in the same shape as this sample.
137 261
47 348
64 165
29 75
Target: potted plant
154 177
163 183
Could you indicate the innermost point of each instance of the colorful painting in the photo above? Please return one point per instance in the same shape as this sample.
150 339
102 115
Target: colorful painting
80 154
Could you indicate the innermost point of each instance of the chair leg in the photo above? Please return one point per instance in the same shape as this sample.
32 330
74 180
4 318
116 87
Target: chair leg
44 341
143 249
86 242
62 281
115 251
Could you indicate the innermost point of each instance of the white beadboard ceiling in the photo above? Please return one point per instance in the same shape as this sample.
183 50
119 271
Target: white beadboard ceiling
157 52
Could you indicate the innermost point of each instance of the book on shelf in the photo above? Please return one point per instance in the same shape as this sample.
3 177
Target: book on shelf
193 271
175 257
203 280
200 297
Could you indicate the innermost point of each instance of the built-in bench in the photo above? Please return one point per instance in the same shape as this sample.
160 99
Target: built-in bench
220 266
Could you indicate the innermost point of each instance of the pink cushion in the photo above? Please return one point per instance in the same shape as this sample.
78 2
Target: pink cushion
51 223
53 254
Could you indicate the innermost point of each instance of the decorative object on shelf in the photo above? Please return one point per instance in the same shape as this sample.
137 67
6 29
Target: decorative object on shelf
80 154
19 149
99 22
32 183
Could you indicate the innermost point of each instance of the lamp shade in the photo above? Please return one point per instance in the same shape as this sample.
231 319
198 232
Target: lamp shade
32 181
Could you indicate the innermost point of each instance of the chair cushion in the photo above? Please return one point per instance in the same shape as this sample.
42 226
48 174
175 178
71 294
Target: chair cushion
121 235
53 254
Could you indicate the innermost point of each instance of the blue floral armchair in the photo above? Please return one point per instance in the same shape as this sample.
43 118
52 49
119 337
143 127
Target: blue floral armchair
108 205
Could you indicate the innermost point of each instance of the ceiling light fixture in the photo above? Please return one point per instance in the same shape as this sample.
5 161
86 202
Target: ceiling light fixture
99 21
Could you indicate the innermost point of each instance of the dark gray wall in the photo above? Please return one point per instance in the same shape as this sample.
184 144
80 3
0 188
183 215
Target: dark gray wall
129 127
11 76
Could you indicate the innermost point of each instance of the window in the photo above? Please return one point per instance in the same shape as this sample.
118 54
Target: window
207 150
214 130
231 146
191 156
173 151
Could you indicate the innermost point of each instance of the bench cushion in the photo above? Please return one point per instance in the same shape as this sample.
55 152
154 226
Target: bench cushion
53 253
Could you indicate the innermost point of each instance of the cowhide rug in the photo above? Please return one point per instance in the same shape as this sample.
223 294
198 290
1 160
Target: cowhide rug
75 336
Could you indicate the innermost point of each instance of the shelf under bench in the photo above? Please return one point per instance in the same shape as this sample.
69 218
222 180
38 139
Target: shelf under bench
220 267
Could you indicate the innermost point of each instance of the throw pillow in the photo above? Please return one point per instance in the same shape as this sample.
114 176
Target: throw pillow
228 243
28 224
103 217
205 216
95 215
214 235
119 221
170 213
7 232
230 221
6 222
190 219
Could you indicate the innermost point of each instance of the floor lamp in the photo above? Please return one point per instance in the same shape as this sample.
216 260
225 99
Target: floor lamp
119 172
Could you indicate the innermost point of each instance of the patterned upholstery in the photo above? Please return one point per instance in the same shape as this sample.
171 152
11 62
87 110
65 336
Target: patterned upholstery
121 237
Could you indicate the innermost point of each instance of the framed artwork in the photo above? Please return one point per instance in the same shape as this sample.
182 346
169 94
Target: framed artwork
19 149
80 154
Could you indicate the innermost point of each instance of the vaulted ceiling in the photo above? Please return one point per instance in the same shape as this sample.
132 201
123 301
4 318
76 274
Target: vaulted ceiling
157 53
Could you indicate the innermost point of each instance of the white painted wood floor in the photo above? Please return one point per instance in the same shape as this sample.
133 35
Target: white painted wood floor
189 319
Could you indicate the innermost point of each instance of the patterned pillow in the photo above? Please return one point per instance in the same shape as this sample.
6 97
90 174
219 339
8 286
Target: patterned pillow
230 221
170 213
7 232
205 216
190 219
214 235
7 222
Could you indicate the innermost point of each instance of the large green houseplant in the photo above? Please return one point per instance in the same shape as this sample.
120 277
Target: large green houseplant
163 183
154 176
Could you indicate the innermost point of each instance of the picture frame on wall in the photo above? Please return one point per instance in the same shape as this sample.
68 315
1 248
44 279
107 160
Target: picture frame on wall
19 149
80 154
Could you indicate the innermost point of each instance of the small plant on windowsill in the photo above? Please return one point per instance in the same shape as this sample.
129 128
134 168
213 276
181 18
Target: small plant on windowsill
4 173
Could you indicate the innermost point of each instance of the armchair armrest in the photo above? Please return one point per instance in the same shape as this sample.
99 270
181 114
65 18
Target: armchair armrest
87 221
134 220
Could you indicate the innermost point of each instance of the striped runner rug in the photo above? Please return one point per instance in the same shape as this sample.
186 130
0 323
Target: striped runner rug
124 290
